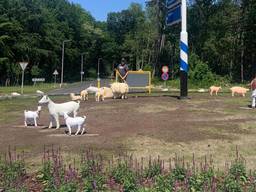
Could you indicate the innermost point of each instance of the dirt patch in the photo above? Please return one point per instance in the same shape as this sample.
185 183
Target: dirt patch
143 125
154 108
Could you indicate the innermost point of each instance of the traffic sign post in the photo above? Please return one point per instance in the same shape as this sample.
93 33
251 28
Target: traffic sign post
183 52
165 69
23 66
55 73
165 76
178 12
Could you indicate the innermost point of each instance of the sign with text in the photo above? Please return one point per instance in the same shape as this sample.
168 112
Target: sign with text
38 79
174 16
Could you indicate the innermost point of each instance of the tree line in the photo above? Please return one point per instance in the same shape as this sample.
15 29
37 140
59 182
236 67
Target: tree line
222 39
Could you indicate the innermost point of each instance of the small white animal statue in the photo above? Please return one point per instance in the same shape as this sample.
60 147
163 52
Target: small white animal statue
92 89
75 97
58 109
32 115
120 90
15 94
75 122
84 95
40 92
214 89
239 90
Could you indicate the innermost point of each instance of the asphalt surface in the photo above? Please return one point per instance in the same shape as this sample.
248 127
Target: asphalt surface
78 87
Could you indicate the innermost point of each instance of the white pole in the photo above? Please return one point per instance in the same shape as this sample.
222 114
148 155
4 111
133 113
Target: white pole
62 63
184 50
22 82
82 63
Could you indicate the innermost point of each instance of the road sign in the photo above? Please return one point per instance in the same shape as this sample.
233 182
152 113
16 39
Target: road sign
38 79
23 65
165 76
174 16
172 3
82 72
165 69
55 72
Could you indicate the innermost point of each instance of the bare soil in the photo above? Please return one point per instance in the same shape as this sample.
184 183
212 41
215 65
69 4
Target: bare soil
147 126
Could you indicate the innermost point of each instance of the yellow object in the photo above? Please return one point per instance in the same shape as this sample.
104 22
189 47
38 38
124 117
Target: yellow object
148 87
98 83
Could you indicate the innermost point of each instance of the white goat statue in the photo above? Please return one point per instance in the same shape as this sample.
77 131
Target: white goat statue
58 109
32 115
75 122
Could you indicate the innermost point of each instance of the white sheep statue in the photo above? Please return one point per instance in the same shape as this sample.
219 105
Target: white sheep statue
99 95
32 115
75 122
58 109
15 94
40 92
120 90
92 89
108 93
84 95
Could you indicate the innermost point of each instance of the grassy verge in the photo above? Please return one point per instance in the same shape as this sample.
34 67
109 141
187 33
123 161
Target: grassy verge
45 87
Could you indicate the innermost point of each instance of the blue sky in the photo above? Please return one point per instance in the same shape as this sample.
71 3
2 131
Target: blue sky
100 8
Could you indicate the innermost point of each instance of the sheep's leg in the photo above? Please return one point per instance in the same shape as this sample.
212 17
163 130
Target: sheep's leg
233 94
216 93
102 98
211 93
75 113
87 97
78 129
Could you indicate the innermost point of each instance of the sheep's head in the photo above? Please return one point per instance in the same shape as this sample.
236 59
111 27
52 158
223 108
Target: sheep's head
45 99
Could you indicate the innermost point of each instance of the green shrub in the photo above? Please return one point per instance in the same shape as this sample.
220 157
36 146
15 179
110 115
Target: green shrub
198 181
11 174
153 170
68 187
124 176
164 183
94 178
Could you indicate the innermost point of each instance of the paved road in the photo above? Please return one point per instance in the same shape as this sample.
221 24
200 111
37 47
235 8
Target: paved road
78 87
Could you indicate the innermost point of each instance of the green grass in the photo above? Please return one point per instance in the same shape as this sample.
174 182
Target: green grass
175 84
45 87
